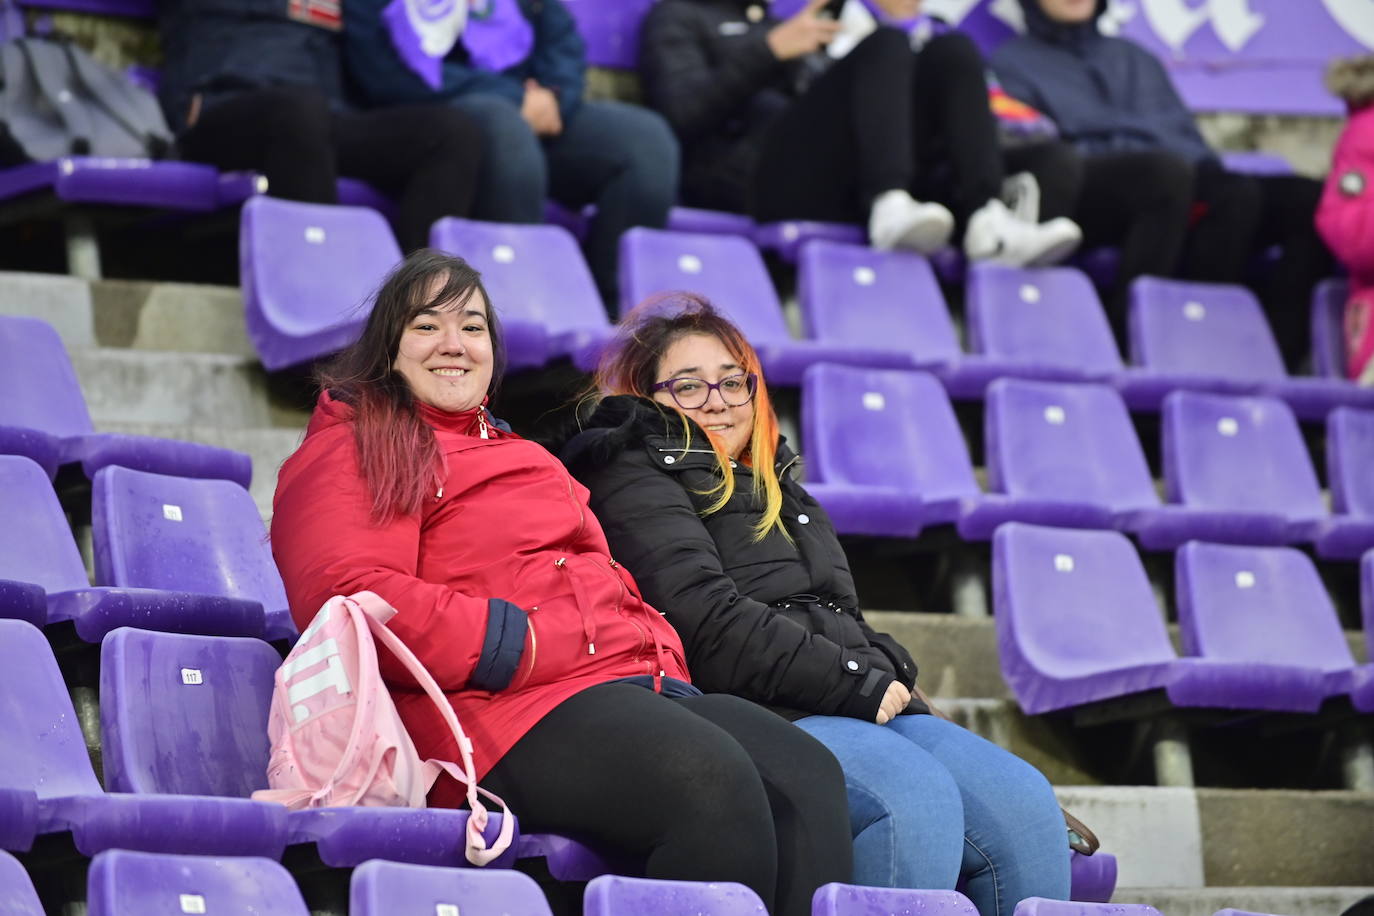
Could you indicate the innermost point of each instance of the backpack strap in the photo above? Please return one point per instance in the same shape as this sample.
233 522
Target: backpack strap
43 60
113 96
377 612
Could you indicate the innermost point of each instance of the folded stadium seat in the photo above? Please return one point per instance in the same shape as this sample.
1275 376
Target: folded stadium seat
18 820
900 462
1213 337
1039 906
17 896
786 238
1349 457
540 284
123 882
381 888
610 30
730 272
43 580
837 899
44 752
1328 327
356 193
1044 323
204 537
1077 624
615 895
680 219
571 860
307 271
43 415
1060 454
188 714
1240 469
1266 605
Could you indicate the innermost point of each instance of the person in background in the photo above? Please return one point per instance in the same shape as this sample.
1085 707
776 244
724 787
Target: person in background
574 691
1114 100
700 498
518 69
1345 216
901 142
259 85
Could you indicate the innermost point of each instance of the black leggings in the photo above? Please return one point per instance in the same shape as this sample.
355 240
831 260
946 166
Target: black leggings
882 118
425 156
710 788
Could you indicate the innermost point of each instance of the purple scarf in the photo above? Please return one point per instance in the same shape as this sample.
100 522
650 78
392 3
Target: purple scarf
495 33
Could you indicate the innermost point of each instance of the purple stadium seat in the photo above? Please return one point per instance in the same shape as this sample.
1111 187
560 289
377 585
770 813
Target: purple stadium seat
786 238
1256 162
729 271
1267 605
1328 334
381 888
122 882
185 186
18 819
176 533
610 29
837 899
1045 323
1239 467
1367 599
46 580
355 193
155 723
1062 645
43 415
568 859
1039 906
1060 454
307 271
1213 337
614 895
1349 456
17 896
44 752
1092 879
680 219
901 463
540 284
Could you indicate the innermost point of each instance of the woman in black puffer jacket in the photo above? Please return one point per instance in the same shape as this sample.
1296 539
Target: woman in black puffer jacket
699 499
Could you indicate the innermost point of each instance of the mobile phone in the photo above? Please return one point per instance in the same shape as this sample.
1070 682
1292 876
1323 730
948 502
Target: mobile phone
831 10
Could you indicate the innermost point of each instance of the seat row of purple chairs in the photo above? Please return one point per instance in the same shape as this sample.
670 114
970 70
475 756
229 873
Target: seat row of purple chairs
1236 468
183 722
1078 624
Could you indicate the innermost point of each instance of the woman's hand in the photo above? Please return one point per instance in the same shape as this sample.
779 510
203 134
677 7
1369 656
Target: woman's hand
540 110
803 33
894 701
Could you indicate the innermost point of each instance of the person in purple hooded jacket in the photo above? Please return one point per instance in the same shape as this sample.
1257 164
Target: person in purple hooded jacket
1114 100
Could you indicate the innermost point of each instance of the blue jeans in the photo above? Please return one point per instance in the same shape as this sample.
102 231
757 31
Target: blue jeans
623 158
930 803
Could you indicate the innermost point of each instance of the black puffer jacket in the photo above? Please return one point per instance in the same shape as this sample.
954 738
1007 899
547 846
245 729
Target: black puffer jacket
735 601
705 65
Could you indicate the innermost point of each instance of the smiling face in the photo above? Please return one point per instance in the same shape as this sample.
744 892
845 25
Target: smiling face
445 354
1070 12
702 356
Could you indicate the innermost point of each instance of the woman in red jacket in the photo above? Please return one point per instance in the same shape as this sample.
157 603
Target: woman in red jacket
573 690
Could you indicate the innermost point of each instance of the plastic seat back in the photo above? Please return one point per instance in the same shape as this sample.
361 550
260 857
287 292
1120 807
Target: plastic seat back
1206 329
122 882
614 895
17 896
41 388
381 888
36 544
837 899
1349 461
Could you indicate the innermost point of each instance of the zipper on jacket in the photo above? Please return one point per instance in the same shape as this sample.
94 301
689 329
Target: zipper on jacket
534 653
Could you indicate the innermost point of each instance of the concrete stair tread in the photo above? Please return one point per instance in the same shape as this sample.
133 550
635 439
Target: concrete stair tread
1282 901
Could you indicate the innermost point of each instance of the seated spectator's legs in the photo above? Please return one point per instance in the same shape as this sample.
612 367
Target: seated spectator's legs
426 156
1058 170
1015 843
844 141
284 133
709 788
1219 246
1140 202
1288 204
623 158
904 808
513 179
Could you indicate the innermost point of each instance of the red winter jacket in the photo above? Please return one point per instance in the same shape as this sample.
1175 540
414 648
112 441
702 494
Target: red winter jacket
503 583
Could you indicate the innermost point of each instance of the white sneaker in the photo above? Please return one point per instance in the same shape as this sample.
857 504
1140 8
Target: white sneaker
899 220
995 234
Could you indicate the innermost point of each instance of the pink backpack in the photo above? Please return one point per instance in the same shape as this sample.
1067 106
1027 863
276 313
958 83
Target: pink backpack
336 736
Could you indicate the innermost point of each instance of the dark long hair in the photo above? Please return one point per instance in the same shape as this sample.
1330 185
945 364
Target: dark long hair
397 454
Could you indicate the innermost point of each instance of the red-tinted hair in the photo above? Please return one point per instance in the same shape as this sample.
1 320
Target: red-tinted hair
630 365
397 454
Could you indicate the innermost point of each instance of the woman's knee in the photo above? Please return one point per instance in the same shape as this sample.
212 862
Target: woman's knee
953 49
515 176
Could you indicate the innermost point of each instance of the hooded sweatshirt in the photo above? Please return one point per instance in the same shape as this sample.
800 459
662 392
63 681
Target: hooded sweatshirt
1106 94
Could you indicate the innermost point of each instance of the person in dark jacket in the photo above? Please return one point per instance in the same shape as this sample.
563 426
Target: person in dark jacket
573 690
698 496
1115 101
771 126
259 85
523 84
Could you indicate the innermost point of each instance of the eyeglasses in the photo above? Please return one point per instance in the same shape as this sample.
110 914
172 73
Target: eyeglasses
691 393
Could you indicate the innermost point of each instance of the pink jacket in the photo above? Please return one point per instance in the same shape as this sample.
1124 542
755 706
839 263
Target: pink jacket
1345 216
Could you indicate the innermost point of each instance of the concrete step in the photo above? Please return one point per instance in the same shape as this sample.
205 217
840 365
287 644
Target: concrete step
64 302
269 447
1204 901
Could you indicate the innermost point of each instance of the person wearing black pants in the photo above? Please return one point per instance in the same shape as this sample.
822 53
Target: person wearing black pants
684 775
773 126
258 85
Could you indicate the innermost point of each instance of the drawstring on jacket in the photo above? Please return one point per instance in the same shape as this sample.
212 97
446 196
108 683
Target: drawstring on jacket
580 597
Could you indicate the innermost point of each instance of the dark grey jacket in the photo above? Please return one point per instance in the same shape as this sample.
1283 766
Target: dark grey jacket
774 621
